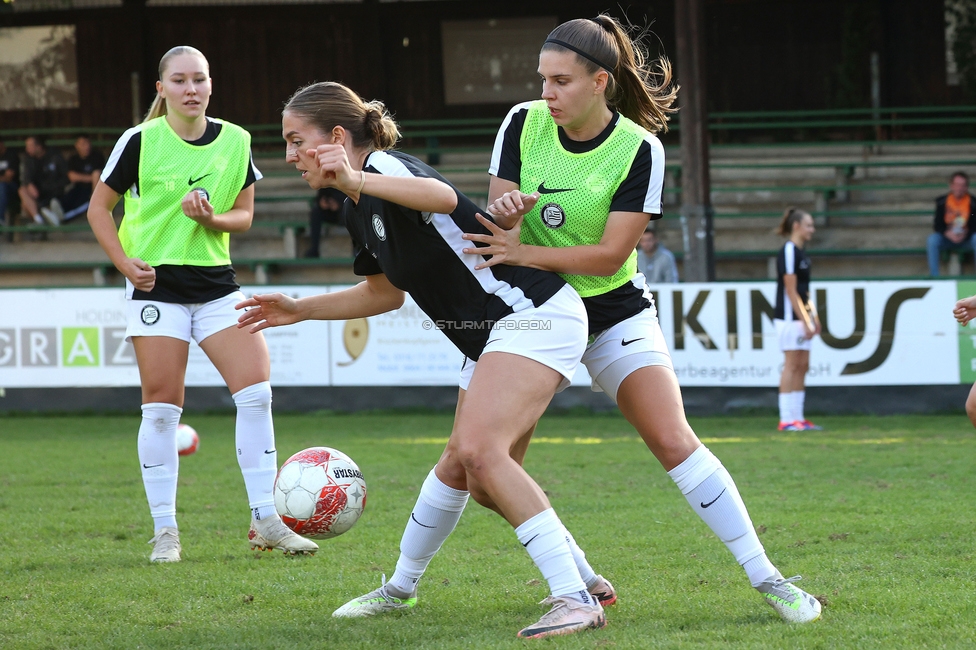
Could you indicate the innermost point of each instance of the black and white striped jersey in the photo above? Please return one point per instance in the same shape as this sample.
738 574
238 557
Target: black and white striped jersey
420 253
792 260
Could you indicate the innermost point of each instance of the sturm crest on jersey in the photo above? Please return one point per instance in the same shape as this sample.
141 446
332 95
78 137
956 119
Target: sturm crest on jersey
553 215
150 314
378 227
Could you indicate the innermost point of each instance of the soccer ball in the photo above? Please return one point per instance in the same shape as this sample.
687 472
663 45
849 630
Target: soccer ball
187 440
320 493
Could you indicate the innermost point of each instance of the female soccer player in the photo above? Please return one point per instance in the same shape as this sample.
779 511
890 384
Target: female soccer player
407 225
574 179
965 311
796 319
188 182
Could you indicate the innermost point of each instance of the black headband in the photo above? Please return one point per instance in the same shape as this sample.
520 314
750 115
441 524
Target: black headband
583 54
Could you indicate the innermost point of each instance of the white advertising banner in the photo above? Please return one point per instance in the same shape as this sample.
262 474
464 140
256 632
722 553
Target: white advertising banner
719 334
875 333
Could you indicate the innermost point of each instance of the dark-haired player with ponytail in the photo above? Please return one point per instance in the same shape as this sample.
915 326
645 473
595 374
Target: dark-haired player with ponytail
795 318
188 183
575 177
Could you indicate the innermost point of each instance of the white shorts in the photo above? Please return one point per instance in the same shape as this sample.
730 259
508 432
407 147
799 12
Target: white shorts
791 335
553 334
615 353
184 322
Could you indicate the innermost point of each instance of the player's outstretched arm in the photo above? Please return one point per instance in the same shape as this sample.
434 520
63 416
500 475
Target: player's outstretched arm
965 310
376 295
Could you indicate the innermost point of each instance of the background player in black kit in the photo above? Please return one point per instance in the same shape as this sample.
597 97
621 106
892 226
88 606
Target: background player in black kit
407 224
795 318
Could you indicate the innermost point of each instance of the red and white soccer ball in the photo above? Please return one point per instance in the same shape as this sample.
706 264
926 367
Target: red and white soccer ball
320 493
187 440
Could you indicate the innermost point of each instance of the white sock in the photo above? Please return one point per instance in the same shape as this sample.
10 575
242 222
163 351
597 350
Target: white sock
256 452
586 571
784 408
434 517
712 494
798 399
542 536
159 460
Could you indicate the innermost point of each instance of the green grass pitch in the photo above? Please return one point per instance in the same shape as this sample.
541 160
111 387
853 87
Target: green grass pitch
876 513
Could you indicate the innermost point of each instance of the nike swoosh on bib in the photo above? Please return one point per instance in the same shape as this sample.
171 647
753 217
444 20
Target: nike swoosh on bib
194 181
545 190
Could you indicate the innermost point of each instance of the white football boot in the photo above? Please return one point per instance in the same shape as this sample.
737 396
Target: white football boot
166 545
272 533
792 603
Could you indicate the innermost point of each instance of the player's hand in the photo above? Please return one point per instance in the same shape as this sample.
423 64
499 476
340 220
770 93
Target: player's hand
504 246
954 236
333 168
809 331
965 310
268 310
198 208
139 273
513 204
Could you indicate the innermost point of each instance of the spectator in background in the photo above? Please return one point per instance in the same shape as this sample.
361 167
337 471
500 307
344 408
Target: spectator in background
955 222
9 170
43 179
84 169
326 208
654 260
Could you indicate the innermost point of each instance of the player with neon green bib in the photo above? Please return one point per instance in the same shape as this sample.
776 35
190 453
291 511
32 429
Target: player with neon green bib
188 182
575 178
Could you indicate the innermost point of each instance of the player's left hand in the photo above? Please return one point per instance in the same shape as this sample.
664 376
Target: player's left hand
334 169
198 208
965 310
504 246
262 311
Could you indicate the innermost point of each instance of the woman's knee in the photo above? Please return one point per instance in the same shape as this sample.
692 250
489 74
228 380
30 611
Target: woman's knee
476 456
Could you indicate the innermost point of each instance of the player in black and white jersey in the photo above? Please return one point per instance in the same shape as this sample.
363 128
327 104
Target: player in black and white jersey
795 318
526 328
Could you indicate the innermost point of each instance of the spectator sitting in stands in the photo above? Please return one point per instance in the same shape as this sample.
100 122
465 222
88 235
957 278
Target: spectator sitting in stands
955 222
43 179
326 208
84 169
654 260
9 170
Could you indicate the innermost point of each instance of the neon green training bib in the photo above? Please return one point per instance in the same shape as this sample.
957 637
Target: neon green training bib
576 190
154 228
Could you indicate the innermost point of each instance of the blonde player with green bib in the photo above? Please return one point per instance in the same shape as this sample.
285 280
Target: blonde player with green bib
188 182
574 179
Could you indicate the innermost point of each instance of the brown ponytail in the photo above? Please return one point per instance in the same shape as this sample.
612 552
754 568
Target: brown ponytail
328 104
791 217
158 106
641 91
